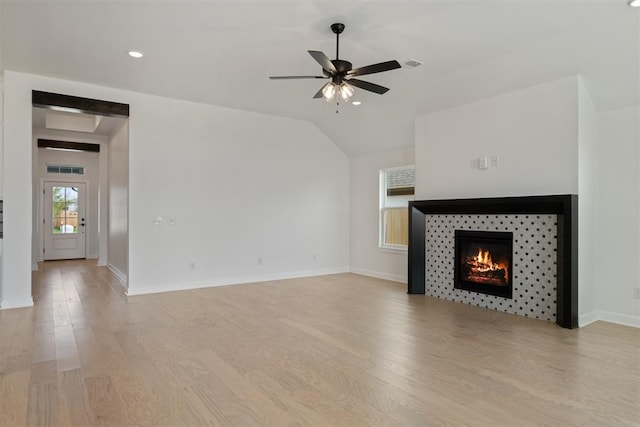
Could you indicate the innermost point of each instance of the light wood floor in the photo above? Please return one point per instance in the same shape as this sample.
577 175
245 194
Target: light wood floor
333 350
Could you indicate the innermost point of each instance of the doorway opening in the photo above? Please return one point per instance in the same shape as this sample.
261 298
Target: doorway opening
73 179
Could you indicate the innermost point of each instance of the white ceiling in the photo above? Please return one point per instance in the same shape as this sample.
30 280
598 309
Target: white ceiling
222 52
107 126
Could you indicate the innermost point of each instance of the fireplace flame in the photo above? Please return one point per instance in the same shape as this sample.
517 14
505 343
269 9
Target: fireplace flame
482 263
483 258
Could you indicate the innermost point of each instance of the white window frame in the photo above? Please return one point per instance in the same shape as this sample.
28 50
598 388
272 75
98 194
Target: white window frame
382 188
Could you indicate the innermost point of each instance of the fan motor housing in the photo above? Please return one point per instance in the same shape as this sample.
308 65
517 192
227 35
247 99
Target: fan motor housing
341 66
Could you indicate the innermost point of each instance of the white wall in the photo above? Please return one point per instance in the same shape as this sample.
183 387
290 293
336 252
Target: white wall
90 161
117 232
588 175
16 177
103 203
1 135
1 157
550 140
534 133
618 216
240 186
365 255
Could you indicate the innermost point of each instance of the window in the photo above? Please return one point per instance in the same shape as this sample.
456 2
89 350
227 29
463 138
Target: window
65 169
64 210
396 189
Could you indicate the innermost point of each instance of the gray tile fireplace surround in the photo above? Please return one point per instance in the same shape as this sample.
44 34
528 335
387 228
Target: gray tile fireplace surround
544 252
534 262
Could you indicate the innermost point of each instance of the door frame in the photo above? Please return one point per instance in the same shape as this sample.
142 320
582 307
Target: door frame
41 212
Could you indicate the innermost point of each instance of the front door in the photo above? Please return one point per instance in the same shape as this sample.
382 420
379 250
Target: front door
64 220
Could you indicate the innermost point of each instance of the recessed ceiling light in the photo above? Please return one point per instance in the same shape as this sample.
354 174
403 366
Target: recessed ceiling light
634 3
356 103
135 54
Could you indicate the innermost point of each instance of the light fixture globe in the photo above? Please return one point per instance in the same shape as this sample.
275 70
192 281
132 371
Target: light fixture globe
346 91
634 3
329 91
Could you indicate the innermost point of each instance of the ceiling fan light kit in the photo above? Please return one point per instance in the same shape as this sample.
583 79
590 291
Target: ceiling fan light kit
341 73
344 90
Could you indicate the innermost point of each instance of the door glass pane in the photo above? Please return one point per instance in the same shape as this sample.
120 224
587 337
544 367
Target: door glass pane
65 210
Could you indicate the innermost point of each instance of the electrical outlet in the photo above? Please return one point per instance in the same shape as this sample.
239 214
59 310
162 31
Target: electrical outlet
636 293
494 161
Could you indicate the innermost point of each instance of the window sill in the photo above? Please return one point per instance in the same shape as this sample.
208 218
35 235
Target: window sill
399 250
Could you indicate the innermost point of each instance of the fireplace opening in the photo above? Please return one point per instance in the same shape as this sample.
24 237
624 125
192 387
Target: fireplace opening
483 262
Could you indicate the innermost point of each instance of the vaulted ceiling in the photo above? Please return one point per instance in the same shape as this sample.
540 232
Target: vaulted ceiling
222 52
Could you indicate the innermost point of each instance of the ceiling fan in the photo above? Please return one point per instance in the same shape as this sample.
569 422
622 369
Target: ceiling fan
341 73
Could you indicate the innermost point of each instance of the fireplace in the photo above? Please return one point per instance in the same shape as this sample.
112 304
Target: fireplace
483 262
545 252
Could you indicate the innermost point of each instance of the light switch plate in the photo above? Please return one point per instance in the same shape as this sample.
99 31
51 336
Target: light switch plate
483 163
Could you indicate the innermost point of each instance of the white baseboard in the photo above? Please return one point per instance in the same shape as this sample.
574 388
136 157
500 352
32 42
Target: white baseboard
587 319
22 303
171 287
605 316
119 274
379 275
621 319
34 267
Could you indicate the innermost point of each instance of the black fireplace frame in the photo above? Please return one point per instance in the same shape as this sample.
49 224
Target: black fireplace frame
564 206
504 238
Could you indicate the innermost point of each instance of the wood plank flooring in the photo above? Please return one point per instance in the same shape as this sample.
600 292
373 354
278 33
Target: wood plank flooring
341 350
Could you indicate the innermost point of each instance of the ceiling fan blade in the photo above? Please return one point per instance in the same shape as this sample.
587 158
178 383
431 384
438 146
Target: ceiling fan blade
323 60
371 87
374 68
319 93
297 77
